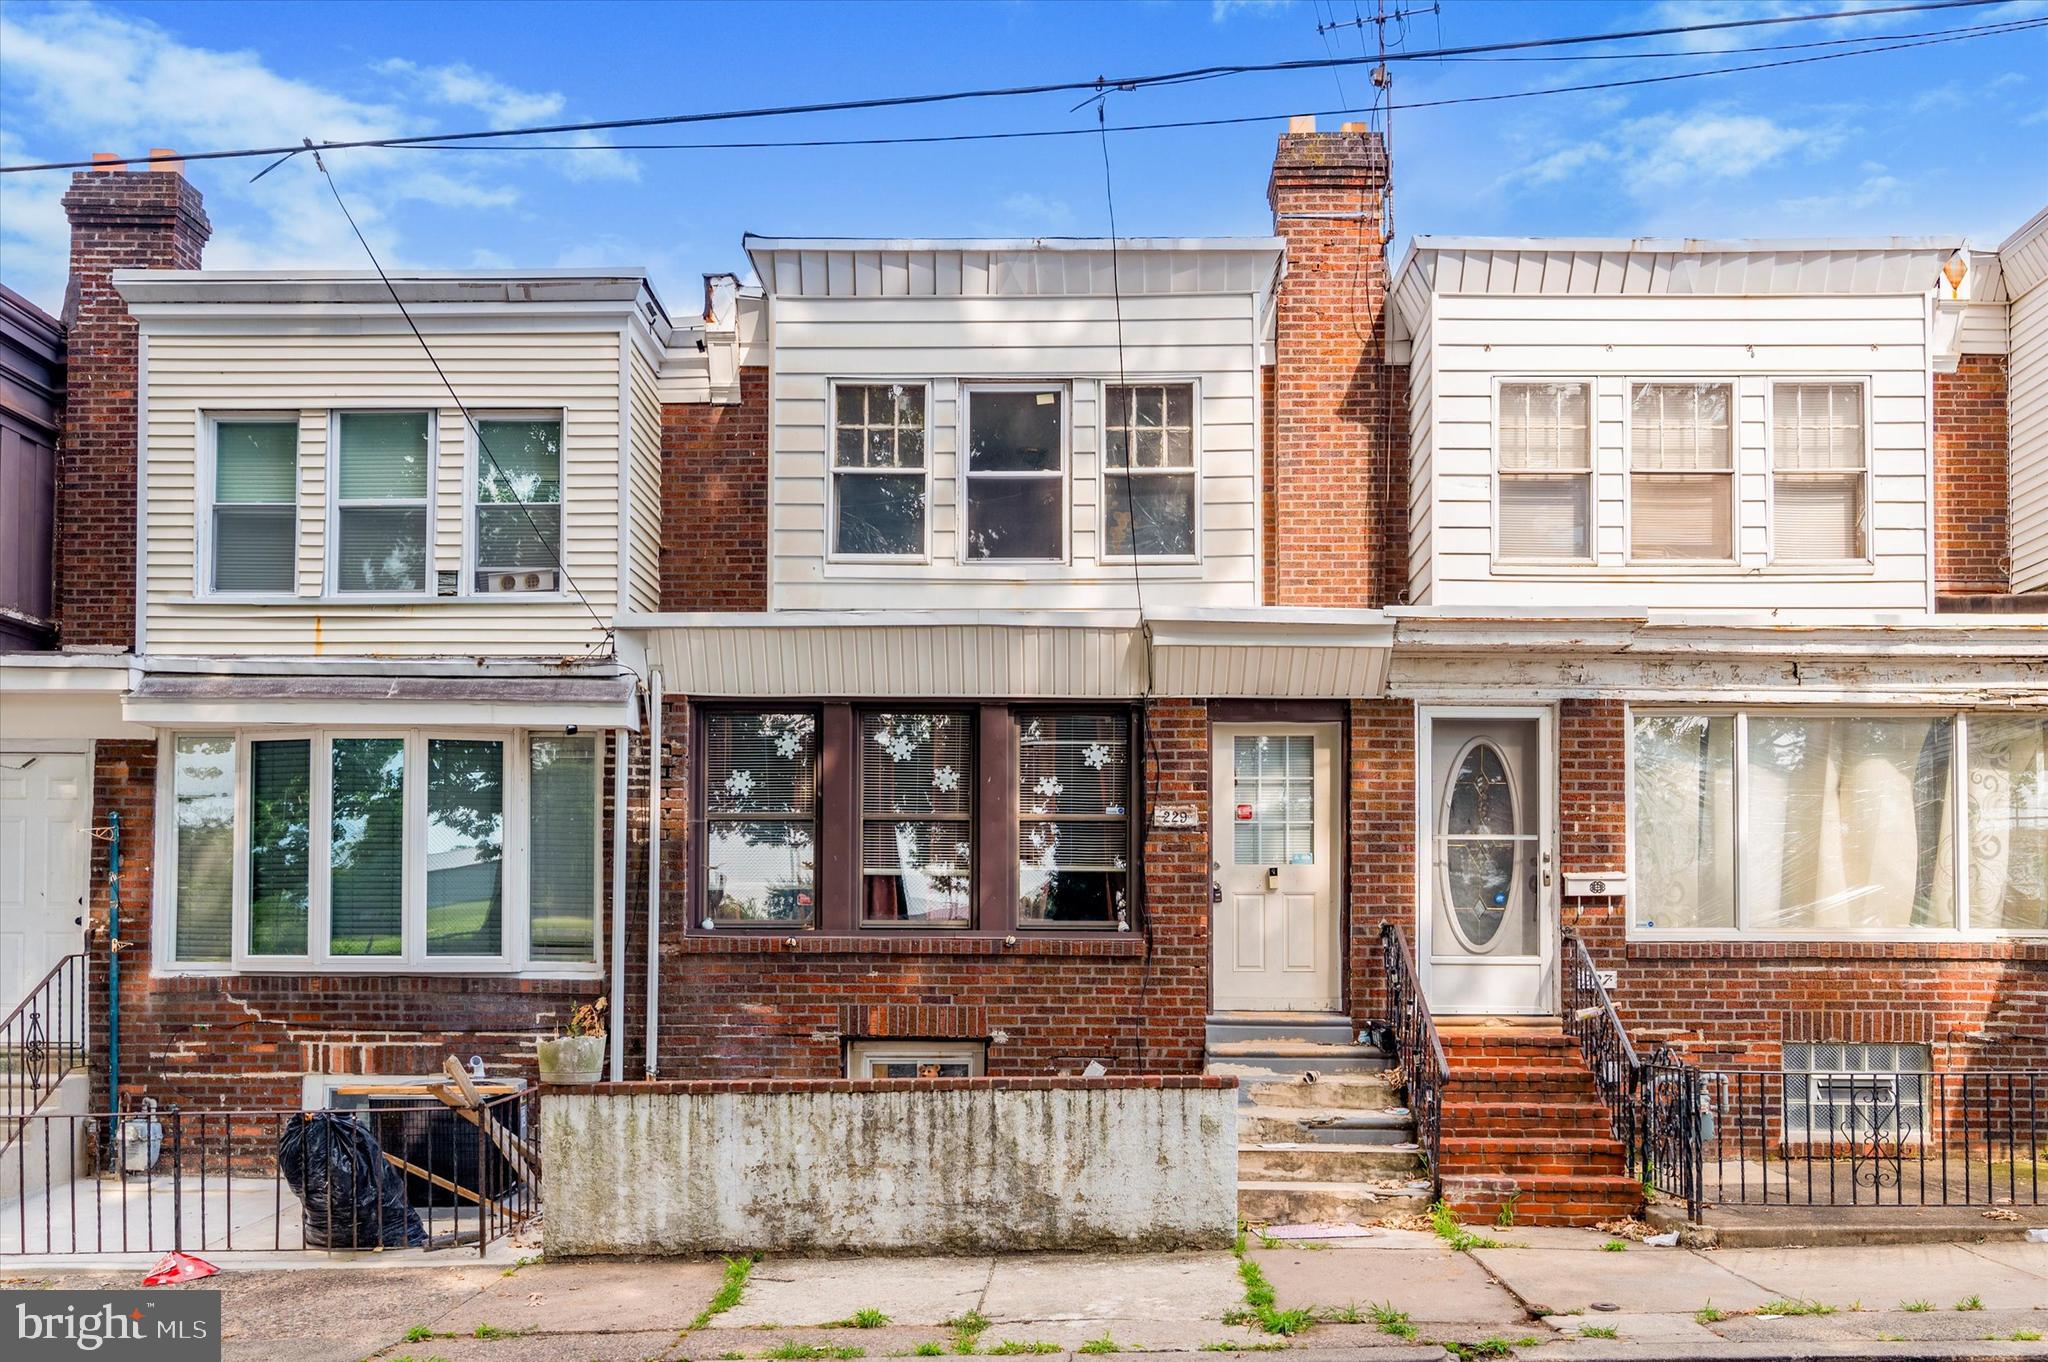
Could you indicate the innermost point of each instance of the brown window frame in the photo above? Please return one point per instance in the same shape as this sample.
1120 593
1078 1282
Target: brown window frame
993 821
701 819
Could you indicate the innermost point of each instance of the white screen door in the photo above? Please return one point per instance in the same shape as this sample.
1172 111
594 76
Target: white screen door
1488 888
42 866
1273 946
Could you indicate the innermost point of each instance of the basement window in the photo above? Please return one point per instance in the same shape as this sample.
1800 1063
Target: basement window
1850 1092
916 1059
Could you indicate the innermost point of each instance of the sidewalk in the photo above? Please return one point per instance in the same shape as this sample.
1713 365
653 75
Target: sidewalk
1389 1296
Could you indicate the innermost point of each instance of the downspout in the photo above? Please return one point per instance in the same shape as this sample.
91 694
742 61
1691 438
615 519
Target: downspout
114 960
616 1030
653 867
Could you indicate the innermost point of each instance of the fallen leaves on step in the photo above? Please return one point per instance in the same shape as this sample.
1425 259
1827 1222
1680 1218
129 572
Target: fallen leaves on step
1636 1230
2001 1213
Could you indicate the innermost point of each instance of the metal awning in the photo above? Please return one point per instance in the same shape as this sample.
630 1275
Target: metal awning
168 699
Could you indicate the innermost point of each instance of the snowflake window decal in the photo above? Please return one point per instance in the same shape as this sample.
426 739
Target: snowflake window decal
1049 788
788 743
739 783
899 746
1095 755
944 778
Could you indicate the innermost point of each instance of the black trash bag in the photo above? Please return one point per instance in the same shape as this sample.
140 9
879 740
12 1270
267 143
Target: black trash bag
352 1197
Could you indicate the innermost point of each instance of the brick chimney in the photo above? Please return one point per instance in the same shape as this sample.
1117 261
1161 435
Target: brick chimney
120 219
1339 423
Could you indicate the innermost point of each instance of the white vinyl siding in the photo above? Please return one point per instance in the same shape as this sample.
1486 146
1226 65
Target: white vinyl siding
953 343
1470 344
644 396
2027 408
259 368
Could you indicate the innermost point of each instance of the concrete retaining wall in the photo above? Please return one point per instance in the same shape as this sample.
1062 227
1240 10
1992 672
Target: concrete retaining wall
908 1165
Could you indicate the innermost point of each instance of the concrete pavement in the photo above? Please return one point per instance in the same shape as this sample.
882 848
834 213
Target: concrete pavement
1388 1295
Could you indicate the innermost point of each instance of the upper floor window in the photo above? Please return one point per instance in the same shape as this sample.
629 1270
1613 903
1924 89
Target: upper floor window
383 496
1015 474
1546 471
1148 485
879 488
1818 464
518 503
255 505
1681 472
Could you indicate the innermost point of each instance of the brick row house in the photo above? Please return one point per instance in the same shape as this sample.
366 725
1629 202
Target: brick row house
1011 656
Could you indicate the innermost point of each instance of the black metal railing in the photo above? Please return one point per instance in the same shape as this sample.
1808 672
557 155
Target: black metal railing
1425 1072
1590 1019
43 1039
1670 1122
401 1175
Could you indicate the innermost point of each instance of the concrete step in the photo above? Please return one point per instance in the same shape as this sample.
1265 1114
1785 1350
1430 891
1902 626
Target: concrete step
1326 1028
1325 1162
1325 1125
1348 1092
1300 1056
1300 1203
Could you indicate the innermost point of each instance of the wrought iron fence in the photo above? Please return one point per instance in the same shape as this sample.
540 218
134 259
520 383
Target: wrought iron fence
382 1176
1425 1072
1590 1019
43 1039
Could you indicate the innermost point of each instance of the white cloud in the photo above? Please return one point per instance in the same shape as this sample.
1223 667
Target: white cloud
1877 189
1041 210
1223 11
597 163
467 87
1670 150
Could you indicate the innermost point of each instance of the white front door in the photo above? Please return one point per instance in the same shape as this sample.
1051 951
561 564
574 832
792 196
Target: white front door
43 799
1488 891
1273 944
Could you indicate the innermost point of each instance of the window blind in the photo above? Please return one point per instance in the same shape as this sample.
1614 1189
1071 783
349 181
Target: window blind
1073 829
1681 472
1817 461
562 847
280 831
366 855
917 789
255 496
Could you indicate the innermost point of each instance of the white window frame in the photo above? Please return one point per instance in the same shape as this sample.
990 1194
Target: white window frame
331 588
1591 473
863 1055
1771 386
515 918
1104 472
472 536
206 473
1733 383
1958 813
833 472
964 478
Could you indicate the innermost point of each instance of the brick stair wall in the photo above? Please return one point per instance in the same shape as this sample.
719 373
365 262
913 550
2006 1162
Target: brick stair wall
1523 1123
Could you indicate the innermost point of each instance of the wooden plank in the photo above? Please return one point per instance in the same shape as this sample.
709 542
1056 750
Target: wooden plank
435 1178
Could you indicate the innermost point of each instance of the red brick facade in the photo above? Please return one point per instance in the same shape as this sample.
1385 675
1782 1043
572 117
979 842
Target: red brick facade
1972 499
714 502
119 220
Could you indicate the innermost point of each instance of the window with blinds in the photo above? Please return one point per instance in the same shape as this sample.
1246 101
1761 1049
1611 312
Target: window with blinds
1818 465
916 831
1148 488
383 487
255 506
203 812
366 847
1073 818
1546 472
518 503
761 817
561 847
1681 472
280 842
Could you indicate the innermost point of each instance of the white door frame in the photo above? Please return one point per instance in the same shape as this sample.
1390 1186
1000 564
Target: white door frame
1549 927
11 748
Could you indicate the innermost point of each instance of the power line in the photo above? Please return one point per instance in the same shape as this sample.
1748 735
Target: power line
1940 37
482 444
1127 83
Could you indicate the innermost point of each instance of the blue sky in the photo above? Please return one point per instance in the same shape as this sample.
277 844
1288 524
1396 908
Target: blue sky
1950 138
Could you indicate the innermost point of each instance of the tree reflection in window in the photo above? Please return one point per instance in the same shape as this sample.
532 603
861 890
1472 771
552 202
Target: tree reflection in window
761 802
917 781
1073 832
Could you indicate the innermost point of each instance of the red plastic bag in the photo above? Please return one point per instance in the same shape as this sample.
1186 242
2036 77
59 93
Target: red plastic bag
178 1267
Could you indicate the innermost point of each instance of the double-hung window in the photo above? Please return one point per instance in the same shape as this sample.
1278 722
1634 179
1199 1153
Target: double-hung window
1546 472
383 501
879 489
1681 472
916 823
761 822
518 503
1148 484
1073 821
1015 482
255 505
1818 463
405 848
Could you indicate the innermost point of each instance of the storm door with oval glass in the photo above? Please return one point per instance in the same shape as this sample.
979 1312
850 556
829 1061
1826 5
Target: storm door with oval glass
1489 888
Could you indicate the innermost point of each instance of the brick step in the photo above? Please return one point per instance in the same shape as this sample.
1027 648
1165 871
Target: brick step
1324 1125
1532 1154
1562 1120
1543 1198
1347 1092
1541 1049
1325 1162
1548 1086
1304 1203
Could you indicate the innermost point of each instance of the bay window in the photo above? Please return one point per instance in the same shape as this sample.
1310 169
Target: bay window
1148 481
255 493
1681 483
404 849
1811 823
518 503
1015 483
383 493
1545 471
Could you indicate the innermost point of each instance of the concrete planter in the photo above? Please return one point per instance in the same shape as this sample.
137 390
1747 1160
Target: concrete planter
572 1060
